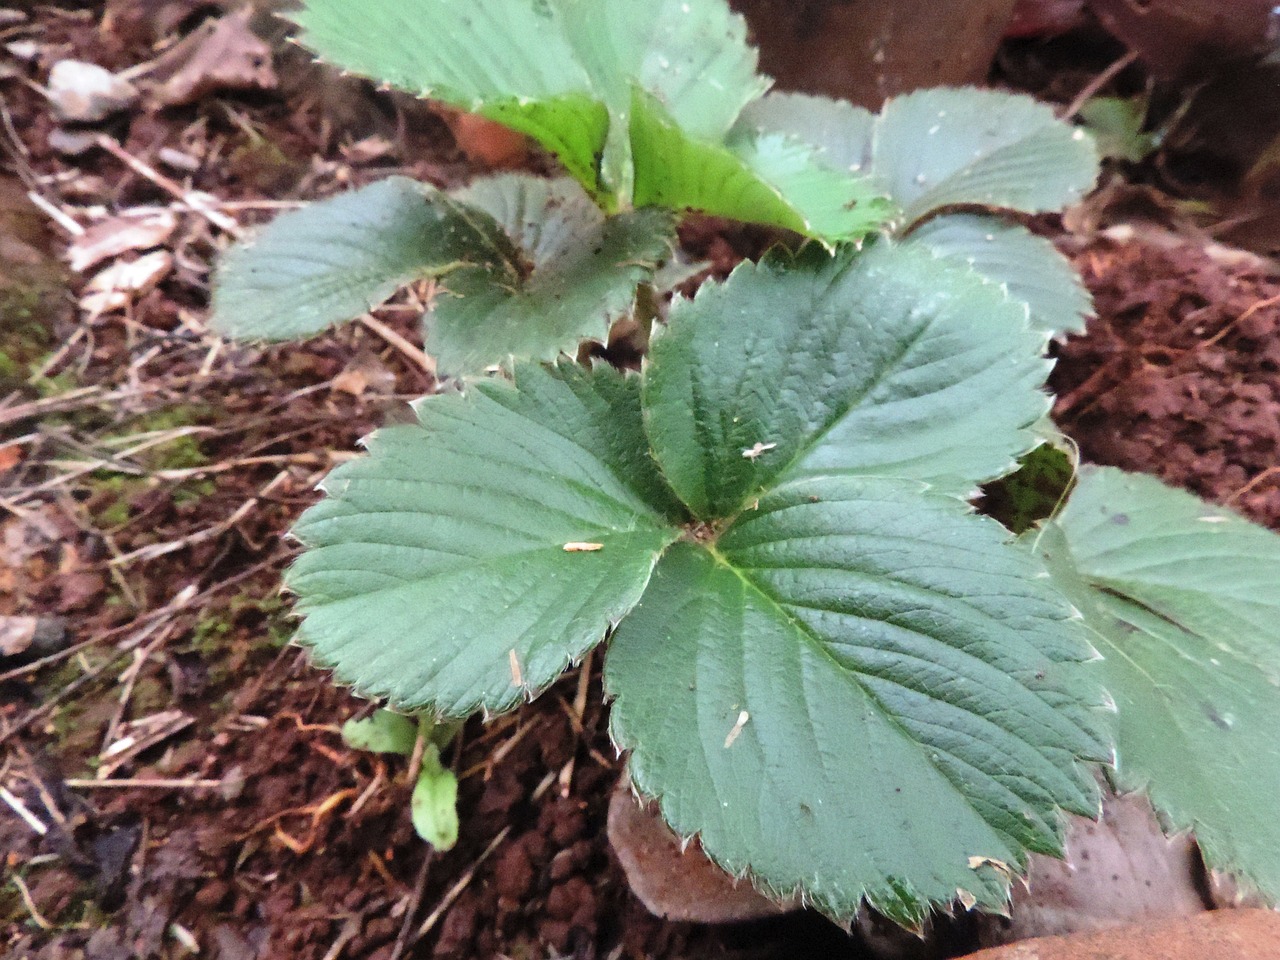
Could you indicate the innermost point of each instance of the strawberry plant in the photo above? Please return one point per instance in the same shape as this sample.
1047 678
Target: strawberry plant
820 659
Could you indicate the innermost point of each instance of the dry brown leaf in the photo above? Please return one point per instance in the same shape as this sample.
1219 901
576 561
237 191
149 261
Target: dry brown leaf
131 231
125 281
218 56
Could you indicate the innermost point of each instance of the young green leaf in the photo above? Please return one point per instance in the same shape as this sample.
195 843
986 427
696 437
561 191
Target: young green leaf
561 71
889 363
638 100
1117 127
471 557
1183 602
761 178
571 273
861 691
381 732
434 804
337 258
1028 267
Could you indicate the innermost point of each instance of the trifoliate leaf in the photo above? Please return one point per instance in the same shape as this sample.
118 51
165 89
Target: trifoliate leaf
1028 267
381 732
861 690
434 804
571 272
1183 599
939 148
437 572
338 258
890 363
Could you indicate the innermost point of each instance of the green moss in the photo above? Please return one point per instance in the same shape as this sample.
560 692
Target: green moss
52 386
193 491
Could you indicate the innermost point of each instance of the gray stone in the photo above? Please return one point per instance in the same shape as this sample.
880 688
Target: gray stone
86 93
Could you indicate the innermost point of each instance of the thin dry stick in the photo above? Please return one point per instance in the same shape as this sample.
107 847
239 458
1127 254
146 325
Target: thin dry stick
146 624
400 343
1097 83
193 201
30 904
1254 308
128 784
411 909
155 550
140 658
1269 472
575 718
52 703
348 933
21 809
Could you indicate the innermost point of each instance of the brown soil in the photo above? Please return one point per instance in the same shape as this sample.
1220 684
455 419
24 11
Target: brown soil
1179 374
291 846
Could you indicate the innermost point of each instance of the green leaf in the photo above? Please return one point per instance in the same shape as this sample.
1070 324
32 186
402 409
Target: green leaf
571 273
860 691
943 147
1028 267
841 131
939 148
381 732
561 71
338 258
890 363
443 569
506 60
766 178
1183 601
1035 492
434 804
690 55
1116 124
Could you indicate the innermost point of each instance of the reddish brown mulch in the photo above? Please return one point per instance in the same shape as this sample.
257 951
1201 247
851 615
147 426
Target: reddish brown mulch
1180 373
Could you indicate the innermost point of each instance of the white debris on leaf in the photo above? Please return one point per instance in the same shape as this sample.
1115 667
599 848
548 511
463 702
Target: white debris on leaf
86 93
